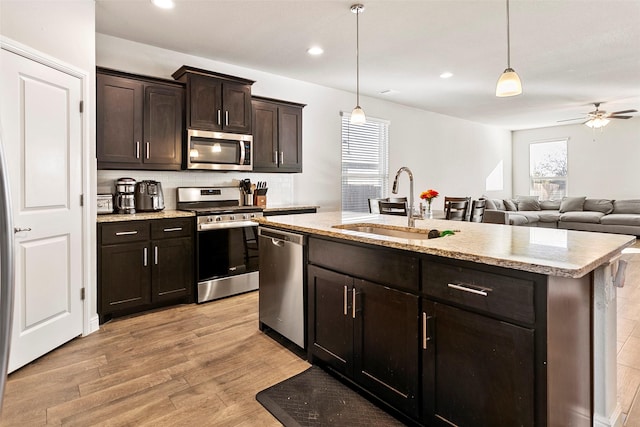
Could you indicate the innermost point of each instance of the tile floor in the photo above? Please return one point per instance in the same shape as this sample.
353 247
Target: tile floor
629 339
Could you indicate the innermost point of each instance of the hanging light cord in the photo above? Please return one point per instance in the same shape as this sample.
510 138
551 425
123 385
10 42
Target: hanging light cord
508 39
358 56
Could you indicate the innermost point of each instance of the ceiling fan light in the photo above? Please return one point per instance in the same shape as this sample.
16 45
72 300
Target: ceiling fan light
508 84
357 116
597 123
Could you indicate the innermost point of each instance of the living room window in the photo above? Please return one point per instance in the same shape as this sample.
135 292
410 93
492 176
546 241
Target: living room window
548 169
365 162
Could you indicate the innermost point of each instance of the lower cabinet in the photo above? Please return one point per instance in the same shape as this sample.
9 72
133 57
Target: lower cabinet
144 264
368 333
477 371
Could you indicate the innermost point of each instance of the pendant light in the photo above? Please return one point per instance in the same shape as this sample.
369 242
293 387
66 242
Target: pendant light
357 115
509 83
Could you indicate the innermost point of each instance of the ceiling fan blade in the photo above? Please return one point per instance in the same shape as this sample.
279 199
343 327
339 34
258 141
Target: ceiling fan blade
570 120
618 117
624 112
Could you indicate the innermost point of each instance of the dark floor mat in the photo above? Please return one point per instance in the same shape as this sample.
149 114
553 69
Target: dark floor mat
315 398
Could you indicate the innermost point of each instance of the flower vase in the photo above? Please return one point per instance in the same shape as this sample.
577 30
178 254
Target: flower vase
429 213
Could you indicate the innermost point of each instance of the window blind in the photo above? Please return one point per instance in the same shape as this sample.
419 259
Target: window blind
365 162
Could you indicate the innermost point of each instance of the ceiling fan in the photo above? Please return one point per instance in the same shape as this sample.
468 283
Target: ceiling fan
599 118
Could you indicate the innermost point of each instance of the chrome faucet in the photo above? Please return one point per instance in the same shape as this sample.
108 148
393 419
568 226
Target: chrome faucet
411 220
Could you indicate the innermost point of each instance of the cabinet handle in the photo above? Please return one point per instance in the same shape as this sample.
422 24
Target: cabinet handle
275 157
126 233
353 303
282 157
425 331
467 289
219 120
21 229
144 256
166 230
148 149
155 255
345 300
137 149
226 118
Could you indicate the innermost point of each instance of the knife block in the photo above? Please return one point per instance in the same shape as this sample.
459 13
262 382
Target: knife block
260 201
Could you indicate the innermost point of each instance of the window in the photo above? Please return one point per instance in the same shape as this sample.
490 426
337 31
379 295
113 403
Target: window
548 169
365 162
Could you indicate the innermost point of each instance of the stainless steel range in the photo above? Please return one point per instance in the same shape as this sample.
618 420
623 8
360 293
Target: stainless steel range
227 244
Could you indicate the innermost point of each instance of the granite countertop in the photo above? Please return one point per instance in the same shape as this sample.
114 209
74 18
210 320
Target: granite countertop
552 252
143 215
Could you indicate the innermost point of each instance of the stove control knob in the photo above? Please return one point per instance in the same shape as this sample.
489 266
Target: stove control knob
231 217
209 219
245 216
218 218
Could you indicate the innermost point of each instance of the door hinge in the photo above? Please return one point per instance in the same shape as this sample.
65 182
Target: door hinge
81 106
82 294
82 200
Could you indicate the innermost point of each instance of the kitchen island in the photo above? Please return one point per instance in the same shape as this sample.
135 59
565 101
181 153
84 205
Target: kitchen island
494 325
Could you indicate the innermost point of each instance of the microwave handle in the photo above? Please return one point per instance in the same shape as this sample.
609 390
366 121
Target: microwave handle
243 154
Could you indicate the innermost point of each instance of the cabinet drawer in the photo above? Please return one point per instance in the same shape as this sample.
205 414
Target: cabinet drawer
123 232
503 296
170 228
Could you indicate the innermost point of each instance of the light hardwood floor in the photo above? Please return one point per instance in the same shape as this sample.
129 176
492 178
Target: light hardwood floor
201 365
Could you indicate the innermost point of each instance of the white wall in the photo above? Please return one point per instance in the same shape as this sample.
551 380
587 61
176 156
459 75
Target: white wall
65 30
601 164
450 155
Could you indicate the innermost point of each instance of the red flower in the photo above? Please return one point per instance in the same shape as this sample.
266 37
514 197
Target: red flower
429 194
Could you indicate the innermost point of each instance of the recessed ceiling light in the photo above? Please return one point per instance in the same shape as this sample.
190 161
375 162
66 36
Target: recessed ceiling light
315 50
164 4
446 75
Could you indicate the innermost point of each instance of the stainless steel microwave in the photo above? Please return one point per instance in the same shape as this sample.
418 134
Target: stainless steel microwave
219 151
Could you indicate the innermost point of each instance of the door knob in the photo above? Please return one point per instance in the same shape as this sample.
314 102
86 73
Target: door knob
20 229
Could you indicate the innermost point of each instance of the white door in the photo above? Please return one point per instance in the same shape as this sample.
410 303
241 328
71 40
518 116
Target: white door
42 137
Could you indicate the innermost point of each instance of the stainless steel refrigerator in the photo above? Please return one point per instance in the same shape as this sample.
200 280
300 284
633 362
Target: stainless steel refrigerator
6 270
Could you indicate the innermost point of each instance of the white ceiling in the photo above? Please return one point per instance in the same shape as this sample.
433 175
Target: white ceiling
568 53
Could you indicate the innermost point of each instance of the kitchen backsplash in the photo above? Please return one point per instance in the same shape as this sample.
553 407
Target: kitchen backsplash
280 185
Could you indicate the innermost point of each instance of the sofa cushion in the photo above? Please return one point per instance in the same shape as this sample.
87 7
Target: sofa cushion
572 204
549 216
621 219
586 216
517 219
626 206
532 216
510 205
528 203
598 205
552 205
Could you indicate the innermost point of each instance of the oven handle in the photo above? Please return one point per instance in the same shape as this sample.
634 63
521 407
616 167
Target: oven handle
221 225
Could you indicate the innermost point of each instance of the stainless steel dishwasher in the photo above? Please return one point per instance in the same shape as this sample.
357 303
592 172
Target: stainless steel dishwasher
281 292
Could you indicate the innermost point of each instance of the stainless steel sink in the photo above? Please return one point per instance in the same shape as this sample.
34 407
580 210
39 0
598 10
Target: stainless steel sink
384 231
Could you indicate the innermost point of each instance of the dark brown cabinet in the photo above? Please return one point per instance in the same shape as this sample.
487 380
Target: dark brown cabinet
139 122
216 102
277 135
365 330
144 264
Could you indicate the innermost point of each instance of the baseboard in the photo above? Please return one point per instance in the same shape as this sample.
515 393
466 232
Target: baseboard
94 325
615 419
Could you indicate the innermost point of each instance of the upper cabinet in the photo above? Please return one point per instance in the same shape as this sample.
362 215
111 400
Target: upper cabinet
216 102
277 135
139 122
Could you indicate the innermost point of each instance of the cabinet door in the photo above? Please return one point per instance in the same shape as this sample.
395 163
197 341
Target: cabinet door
265 136
163 126
330 319
118 120
124 276
236 101
477 371
290 139
172 271
386 338
205 103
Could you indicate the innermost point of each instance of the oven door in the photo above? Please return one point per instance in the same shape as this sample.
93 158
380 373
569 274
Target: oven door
219 151
227 262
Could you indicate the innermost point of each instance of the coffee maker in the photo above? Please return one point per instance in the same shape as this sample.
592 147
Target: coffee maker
125 195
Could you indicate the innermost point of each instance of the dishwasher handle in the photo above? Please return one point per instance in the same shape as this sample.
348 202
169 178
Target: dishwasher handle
279 237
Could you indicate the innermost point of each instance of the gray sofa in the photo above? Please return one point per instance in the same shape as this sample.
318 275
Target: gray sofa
572 213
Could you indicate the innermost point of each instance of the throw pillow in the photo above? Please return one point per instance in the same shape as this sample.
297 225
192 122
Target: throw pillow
630 206
599 205
510 205
489 204
528 203
499 204
572 204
